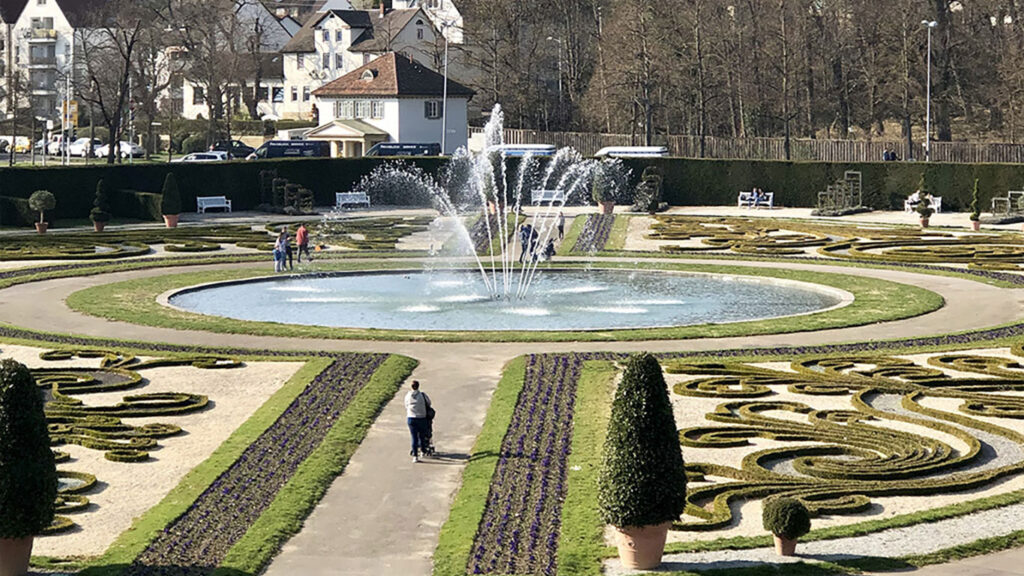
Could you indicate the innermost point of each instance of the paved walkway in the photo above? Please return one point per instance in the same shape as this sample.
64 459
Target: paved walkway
383 515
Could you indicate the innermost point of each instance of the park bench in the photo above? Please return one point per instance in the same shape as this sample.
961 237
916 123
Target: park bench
547 196
204 203
342 198
1012 203
936 205
745 198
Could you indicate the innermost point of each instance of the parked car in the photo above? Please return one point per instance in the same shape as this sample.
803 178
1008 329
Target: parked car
56 145
292 149
404 149
215 156
234 148
83 147
22 145
127 149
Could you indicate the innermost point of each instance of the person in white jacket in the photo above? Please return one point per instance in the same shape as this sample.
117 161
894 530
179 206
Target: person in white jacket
417 406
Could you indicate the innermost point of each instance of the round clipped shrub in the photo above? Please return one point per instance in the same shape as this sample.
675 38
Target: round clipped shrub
786 517
28 474
195 143
101 204
642 480
41 201
170 199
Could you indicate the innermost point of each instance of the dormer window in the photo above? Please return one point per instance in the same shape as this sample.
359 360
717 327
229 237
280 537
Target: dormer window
368 75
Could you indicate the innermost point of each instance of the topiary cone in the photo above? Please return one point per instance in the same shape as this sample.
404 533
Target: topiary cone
643 479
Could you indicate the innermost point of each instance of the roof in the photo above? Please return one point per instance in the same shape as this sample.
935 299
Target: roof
348 128
299 9
376 38
272 66
11 9
303 41
392 75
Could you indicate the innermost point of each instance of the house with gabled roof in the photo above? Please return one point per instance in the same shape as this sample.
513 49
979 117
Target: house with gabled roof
391 99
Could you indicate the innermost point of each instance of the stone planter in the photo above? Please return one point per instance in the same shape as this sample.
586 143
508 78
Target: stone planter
641 547
42 226
14 556
607 207
975 225
171 220
98 226
924 222
785 546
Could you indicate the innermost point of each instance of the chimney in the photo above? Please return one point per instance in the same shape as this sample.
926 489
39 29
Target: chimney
385 7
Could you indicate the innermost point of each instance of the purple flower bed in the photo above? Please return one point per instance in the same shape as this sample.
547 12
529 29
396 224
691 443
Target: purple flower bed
198 540
595 233
518 533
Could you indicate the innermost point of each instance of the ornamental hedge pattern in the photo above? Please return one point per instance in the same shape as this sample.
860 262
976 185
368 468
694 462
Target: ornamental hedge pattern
595 233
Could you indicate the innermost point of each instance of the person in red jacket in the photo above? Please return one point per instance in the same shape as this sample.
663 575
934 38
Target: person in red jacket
302 240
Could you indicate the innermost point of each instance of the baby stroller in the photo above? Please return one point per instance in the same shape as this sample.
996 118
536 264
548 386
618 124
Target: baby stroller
427 437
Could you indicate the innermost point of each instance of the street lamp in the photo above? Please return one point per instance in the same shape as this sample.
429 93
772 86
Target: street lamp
929 24
444 89
559 40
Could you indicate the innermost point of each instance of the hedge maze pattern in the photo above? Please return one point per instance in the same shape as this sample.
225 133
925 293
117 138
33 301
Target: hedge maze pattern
836 461
72 421
886 245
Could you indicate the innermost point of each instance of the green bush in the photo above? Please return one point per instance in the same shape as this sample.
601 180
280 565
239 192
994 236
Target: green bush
28 474
138 205
194 143
101 204
975 211
41 201
642 480
170 200
786 517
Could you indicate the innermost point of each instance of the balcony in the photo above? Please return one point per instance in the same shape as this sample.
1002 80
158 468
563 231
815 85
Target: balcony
41 35
42 62
43 90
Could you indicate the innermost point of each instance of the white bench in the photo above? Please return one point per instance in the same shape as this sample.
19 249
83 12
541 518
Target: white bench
203 203
936 205
548 196
746 199
342 198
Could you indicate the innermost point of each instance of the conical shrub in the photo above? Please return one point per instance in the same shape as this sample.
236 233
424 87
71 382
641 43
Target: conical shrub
642 480
28 475
170 200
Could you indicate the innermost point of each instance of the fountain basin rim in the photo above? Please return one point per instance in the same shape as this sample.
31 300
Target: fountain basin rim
844 297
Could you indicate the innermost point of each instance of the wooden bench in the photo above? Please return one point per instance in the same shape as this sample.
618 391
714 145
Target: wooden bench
936 205
746 199
342 198
547 196
204 203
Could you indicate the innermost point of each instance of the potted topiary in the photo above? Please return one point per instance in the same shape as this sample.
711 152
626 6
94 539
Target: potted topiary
100 213
924 209
975 211
602 190
170 201
41 201
28 475
642 483
787 519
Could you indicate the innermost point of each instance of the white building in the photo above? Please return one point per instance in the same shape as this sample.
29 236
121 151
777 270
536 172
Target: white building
442 13
391 99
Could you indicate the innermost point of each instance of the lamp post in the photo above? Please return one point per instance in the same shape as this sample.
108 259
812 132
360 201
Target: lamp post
444 90
929 24
559 40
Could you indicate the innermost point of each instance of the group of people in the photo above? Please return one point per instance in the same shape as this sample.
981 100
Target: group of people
529 238
283 248
889 155
755 198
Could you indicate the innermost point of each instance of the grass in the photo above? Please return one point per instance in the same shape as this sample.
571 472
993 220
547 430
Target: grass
142 532
619 232
572 235
314 476
581 543
456 539
134 301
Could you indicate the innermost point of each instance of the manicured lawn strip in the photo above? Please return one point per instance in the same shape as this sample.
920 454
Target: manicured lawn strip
142 532
572 235
134 301
456 539
301 494
581 543
617 236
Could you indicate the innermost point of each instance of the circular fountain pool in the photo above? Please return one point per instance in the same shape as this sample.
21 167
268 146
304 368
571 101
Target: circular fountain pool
558 300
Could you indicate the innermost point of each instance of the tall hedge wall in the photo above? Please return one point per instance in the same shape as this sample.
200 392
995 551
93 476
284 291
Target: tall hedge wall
691 182
73 186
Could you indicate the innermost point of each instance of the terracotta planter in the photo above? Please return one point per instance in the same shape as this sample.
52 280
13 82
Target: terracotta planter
98 226
607 207
42 226
14 556
976 225
171 220
924 222
785 546
641 547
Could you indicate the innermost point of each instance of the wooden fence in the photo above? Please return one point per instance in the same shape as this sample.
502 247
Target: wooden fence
801 149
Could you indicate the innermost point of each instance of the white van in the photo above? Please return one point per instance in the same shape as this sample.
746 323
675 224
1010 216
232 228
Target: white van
632 152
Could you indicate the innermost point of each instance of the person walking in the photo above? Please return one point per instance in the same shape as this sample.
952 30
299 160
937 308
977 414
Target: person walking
302 241
279 252
417 408
561 225
287 247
